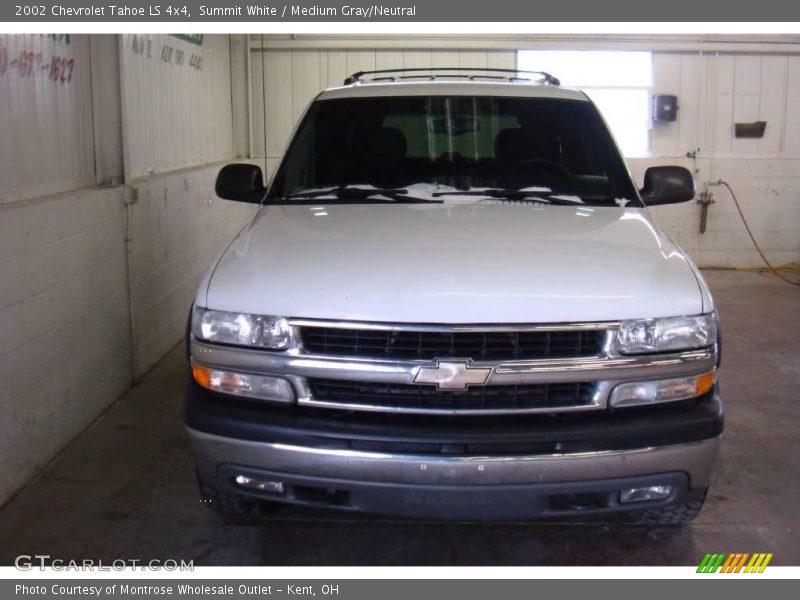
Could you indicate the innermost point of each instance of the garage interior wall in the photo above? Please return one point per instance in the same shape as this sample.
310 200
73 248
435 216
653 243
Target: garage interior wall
178 128
718 82
110 145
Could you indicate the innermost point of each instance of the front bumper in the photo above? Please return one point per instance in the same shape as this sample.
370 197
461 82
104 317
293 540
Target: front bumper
454 468
464 488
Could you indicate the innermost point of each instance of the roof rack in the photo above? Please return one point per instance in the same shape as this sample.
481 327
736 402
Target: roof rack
544 77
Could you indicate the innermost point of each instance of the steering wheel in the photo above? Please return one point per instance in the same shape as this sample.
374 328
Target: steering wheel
544 165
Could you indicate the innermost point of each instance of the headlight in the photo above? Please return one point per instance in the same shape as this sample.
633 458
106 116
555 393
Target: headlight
667 335
240 329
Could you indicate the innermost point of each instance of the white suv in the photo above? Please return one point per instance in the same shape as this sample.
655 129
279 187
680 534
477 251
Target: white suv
452 303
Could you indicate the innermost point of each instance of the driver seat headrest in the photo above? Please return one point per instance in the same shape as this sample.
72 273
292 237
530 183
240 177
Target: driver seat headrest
515 145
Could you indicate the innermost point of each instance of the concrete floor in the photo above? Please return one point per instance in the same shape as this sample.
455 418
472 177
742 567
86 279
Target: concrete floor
126 489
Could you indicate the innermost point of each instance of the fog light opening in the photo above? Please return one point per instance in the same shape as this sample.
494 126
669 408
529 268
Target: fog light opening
645 494
261 485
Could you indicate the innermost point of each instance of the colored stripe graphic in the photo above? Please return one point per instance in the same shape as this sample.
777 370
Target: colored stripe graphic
703 563
735 562
732 559
718 563
758 563
711 562
751 563
741 562
765 563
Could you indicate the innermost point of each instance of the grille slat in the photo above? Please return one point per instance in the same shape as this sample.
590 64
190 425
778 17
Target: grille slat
426 345
429 397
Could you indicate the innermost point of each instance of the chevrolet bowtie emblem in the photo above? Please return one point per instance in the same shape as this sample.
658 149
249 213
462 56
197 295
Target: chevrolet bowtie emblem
452 375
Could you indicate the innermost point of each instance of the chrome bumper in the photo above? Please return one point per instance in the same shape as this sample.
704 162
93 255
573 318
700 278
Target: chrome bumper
695 459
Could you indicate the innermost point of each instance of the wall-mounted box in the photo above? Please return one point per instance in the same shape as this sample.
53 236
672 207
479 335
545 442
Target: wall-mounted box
665 108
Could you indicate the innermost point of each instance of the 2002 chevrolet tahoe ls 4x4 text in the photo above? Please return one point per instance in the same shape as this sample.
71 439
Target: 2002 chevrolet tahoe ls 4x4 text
452 303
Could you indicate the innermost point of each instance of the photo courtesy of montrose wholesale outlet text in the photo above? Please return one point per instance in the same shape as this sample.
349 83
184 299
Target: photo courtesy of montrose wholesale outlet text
405 299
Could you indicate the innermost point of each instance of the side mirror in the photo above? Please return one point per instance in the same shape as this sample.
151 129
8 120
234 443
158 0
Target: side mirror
667 185
240 182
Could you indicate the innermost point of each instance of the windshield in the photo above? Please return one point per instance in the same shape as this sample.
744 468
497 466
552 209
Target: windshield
453 148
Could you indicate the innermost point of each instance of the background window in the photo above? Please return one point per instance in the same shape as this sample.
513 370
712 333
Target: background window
619 83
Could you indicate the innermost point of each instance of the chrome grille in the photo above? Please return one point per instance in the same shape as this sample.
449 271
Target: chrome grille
422 398
427 344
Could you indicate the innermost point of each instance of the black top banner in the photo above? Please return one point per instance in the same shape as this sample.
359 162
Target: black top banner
411 11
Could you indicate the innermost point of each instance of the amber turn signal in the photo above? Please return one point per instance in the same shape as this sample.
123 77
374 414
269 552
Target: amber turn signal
705 382
201 375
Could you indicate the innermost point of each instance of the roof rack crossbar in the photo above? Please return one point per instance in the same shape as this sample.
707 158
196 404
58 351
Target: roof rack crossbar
544 76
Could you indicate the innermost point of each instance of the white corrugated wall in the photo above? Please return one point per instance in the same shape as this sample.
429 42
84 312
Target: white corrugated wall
715 91
45 115
176 102
178 127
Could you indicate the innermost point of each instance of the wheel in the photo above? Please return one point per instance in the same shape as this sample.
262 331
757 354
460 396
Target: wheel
675 514
231 504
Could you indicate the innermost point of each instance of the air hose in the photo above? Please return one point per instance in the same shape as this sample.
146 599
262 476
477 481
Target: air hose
772 269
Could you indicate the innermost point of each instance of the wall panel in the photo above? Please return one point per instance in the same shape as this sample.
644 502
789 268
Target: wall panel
45 115
177 230
716 91
773 104
389 59
792 112
65 348
176 102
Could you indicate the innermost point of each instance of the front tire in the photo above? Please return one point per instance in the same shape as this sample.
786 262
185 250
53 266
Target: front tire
674 514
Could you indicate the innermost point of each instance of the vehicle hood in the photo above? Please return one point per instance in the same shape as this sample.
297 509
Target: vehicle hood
484 262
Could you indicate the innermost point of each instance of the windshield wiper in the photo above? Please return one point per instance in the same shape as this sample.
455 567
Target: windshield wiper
517 194
359 194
